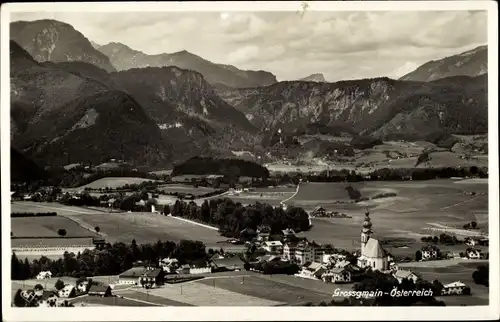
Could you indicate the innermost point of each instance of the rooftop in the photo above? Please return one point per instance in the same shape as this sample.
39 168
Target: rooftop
373 249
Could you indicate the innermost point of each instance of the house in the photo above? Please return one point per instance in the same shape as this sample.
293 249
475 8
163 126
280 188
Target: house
227 264
269 258
275 247
152 277
337 275
44 275
401 274
111 202
288 233
67 291
304 253
455 288
47 299
131 276
263 233
82 286
313 270
318 211
470 241
102 290
186 269
430 253
473 254
169 265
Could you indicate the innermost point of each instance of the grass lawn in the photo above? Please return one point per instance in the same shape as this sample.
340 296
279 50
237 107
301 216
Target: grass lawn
268 288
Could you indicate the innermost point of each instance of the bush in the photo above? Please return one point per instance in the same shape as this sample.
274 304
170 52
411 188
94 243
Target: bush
365 142
61 232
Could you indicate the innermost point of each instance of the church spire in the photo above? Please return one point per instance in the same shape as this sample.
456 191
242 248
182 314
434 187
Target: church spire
366 231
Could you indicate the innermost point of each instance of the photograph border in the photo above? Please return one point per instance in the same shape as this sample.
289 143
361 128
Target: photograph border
256 313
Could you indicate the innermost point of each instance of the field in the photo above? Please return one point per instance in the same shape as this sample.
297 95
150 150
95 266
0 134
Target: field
390 154
47 227
187 189
461 271
112 182
421 208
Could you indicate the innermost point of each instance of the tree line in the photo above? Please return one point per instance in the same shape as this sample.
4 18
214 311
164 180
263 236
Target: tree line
113 259
225 167
232 217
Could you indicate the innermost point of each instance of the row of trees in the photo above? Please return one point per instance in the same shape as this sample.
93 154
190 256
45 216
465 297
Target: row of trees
232 217
385 174
112 260
226 167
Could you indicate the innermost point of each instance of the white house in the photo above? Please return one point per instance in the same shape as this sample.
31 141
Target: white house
273 247
168 264
313 271
337 275
401 274
44 275
455 288
304 253
429 253
66 291
473 254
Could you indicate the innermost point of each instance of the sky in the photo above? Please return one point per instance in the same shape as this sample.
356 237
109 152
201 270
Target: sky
341 45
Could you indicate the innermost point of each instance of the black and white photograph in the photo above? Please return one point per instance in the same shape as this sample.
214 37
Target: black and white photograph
282 155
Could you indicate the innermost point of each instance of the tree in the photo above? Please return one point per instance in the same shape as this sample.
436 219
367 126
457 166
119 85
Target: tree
59 285
38 287
438 287
166 209
466 291
97 229
61 232
18 299
473 224
481 275
418 255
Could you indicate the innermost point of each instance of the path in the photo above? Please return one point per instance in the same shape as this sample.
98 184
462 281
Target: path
459 203
194 222
296 192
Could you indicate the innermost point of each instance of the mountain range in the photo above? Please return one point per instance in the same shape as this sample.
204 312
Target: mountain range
124 57
73 100
470 63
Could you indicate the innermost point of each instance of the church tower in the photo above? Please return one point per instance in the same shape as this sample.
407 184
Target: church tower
366 231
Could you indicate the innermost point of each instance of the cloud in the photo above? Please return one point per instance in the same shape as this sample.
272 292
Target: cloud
341 45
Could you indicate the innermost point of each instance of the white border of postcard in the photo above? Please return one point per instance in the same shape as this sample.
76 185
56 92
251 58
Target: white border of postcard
257 313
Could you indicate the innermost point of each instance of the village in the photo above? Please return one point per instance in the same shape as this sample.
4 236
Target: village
265 254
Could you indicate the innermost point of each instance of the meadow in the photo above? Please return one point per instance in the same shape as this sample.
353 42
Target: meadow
421 208
184 188
112 182
47 227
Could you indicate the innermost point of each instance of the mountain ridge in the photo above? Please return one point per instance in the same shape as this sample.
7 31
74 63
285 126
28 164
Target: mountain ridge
56 41
472 63
124 57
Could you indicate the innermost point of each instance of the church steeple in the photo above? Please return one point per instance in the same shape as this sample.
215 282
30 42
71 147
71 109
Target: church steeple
366 231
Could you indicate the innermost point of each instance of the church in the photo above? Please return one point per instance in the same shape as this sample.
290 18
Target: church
372 252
